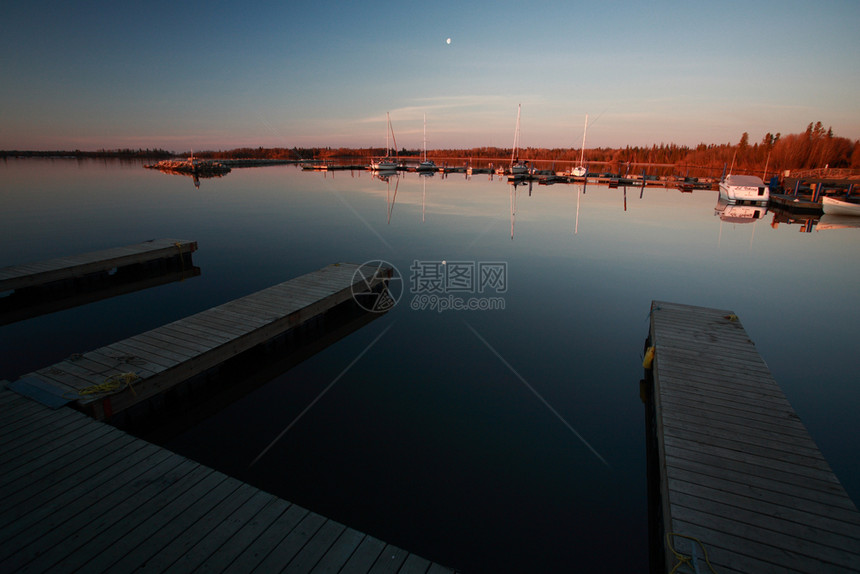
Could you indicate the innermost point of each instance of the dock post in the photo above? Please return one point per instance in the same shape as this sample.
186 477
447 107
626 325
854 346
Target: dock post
816 192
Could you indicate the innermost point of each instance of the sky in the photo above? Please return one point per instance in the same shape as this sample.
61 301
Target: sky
218 75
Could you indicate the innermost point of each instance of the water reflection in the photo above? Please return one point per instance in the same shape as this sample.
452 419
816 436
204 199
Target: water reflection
430 397
192 167
424 177
734 213
386 176
829 221
515 182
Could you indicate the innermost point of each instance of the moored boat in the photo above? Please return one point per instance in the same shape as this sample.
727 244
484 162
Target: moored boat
518 168
744 188
580 170
833 206
386 163
426 165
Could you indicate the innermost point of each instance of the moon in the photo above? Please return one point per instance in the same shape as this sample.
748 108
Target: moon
448 41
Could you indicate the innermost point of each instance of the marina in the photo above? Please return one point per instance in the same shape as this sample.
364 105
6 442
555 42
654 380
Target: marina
80 494
742 487
428 429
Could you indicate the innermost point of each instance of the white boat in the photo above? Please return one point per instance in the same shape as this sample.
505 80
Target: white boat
518 168
833 206
426 165
744 188
386 163
580 170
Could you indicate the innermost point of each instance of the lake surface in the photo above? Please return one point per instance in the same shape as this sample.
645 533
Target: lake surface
503 439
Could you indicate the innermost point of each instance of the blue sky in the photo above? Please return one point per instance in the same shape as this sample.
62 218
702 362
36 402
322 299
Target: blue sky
219 75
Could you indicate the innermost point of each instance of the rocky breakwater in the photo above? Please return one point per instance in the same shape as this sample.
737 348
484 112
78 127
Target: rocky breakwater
200 167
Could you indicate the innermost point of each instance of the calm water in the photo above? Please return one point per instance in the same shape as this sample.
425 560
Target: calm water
435 439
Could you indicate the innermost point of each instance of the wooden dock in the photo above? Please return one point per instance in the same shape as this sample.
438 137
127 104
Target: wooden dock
43 299
795 203
80 495
739 476
79 266
129 372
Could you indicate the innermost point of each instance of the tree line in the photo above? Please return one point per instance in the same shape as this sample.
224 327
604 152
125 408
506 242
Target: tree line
102 153
816 147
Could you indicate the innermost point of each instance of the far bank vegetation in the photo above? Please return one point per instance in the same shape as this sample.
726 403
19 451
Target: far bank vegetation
816 148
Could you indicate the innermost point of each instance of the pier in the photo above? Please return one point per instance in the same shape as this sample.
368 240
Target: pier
79 266
109 380
737 483
81 495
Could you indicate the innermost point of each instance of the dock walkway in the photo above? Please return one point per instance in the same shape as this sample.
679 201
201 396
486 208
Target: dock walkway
77 266
738 470
82 496
147 364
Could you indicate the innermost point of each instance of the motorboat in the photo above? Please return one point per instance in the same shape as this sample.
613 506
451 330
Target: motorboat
744 188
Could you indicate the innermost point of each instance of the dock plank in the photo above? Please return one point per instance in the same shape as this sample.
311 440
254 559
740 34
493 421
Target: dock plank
737 468
76 266
259 549
168 355
365 556
110 502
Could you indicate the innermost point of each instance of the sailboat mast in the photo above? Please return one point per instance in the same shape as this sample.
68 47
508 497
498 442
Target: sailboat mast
425 137
584 131
387 132
516 136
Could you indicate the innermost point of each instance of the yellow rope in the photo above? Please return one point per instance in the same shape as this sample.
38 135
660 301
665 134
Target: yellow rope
111 384
181 258
684 559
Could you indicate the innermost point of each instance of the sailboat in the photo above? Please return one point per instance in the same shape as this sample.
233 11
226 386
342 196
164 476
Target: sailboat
580 170
386 163
518 168
426 165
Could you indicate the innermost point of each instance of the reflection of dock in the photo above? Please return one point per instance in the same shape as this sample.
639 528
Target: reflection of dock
735 473
79 266
333 167
34 301
82 495
133 370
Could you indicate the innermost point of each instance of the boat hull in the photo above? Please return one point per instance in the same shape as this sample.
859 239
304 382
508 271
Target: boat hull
383 165
744 188
519 169
832 206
